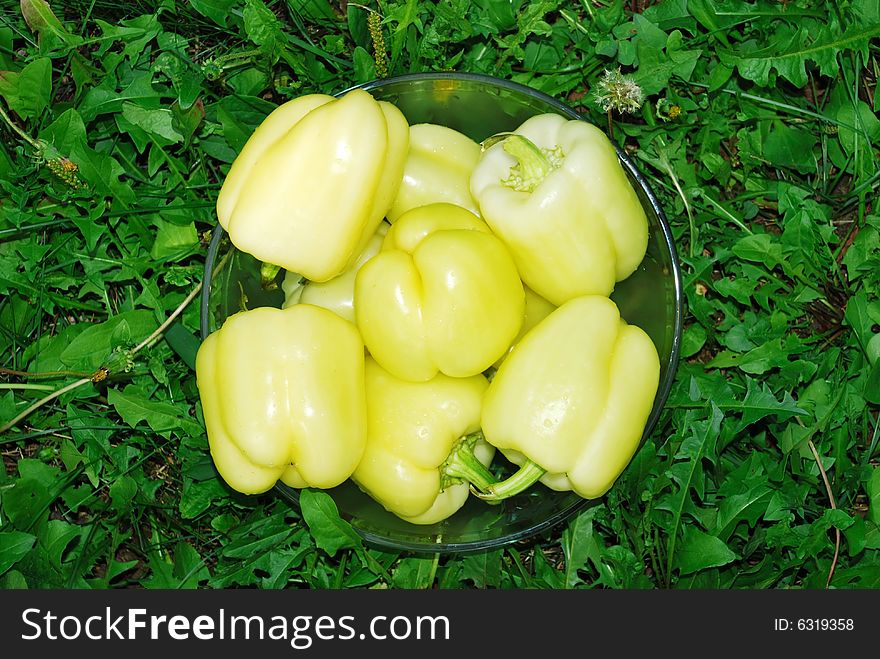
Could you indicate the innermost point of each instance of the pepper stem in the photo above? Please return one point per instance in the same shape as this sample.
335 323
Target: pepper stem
527 475
463 465
268 273
533 164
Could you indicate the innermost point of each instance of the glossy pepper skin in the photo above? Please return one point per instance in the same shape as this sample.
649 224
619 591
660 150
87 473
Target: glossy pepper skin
437 169
571 401
335 294
555 192
443 295
415 433
313 182
282 394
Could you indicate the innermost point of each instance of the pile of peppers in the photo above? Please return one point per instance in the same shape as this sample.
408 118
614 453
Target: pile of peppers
446 309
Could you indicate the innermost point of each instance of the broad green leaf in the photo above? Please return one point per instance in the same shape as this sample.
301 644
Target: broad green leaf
484 569
162 569
858 127
7 407
106 98
161 417
174 64
790 147
873 489
249 81
39 16
872 383
648 32
414 572
66 132
546 575
6 49
863 255
759 247
189 567
263 27
757 361
659 62
181 568
330 531
740 289
313 9
158 123
13 546
76 497
706 13
186 121
700 443
856 536
217 10
357 25
56 536
499 15
13 580
173 240
579 546
693 339
744 507
122 492
270 569
42 21
27 501
91 347
199 496
789 58
759 402
258 536
862 315
28 92
134 33
364 65
699 551
184 343
102 173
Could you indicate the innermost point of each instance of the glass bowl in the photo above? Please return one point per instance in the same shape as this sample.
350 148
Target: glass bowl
651 298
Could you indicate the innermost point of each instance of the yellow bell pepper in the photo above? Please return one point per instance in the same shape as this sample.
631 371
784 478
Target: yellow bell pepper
282 394
335 294
437 169
423 444
313 182
443 295
570 402
555 192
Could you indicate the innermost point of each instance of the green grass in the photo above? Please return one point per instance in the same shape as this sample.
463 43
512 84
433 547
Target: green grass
759 131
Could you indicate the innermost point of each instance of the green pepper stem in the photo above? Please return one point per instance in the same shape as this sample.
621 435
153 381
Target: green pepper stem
268 273
532 164
527 475
463 465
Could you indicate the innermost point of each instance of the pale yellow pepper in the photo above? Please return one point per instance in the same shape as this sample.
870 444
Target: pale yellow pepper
282 394
423 444
555 192
571 401
438 169
313 182
443 295
335 294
